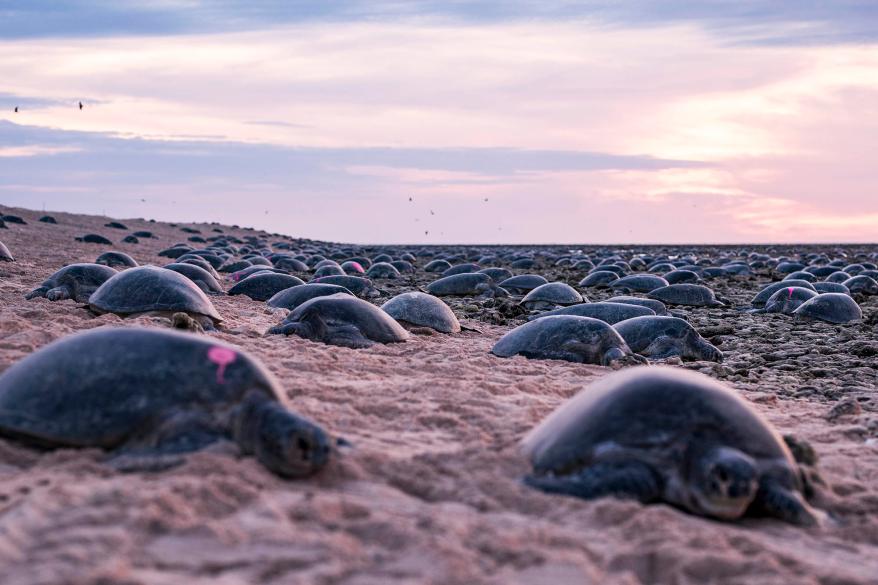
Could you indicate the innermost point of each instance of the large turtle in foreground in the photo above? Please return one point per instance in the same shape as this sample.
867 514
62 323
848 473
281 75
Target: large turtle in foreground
662 434
75 281
149 396
342 319
154 291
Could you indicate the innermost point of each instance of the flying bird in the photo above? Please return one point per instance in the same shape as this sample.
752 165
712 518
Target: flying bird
431 212
410 199
486 199
80 105
16 109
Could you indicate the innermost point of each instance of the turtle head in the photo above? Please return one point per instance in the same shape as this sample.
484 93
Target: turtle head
287 444
724 482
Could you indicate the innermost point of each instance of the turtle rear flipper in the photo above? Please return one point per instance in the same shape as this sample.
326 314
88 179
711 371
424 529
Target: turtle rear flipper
36 293
620 479
779 502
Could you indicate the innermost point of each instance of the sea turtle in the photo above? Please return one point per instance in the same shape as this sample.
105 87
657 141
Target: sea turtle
201 263
116 225
801 275
175 251
150 396
143 234
680 276
422 310
362 287
551 295
521 284
522 264
763 295
834 287
5 254
236 266
437 265
291 264
129 239
565 337
787 300
383 270
343 320
465 268
691 295
403 266
836 308
201 277
662 337
662 434
643 283
607 312
94 239
465 284
75 281
48 219
599 279
14 219
261 287
497 274
153 291
657 306
251 270
864 285
292 297
116 259
353 267
329 270
838 276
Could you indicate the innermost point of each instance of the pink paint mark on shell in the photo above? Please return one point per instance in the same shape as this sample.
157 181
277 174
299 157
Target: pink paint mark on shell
222 357
790 289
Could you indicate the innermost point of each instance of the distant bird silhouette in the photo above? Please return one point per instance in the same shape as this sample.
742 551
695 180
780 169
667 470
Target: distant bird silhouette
486 199
410 199
431 212
80 105
16 109
426 233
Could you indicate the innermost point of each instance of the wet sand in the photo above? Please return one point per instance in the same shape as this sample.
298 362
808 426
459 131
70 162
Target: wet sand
430 493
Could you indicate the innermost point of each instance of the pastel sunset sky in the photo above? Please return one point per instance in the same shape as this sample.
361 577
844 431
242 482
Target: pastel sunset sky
504 122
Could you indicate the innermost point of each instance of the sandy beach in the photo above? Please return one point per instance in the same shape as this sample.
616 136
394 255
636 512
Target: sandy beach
430 492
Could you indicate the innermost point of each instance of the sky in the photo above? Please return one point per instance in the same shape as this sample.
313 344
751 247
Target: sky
430 122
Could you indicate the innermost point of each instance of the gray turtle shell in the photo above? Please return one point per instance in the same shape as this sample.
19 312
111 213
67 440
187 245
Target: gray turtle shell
836 308
599 278
763 295
692 295
552 293
261 287
644 413
862 284
607 312
497 274
468 283
362 287
148 288
657 306
564 337
423 310
660 337
116 259
292 297
521 283
201 277
98 388
831 287
79 280
681 275
461 269
383 270
639 282
437 266
788 299
332 319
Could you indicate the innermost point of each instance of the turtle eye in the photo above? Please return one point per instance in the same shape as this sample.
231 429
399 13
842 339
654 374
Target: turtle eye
305 447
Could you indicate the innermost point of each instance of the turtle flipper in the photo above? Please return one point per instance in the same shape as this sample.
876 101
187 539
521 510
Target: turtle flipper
59 293
787 505
621 479
662 347
144 462
347 336
36 293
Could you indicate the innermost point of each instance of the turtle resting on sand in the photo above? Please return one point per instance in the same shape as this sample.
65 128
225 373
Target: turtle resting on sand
662 337
148 290
422 310
75 281
835 308
692 295
565 337
116 259
663 434
342 319
787 299
149 396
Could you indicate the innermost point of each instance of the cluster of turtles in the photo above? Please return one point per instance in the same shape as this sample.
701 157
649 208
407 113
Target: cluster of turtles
650 433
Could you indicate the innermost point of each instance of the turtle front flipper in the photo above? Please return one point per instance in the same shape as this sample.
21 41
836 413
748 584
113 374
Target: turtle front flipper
662 347
347 336
776 501
620 479
36 293
163 446
59 293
